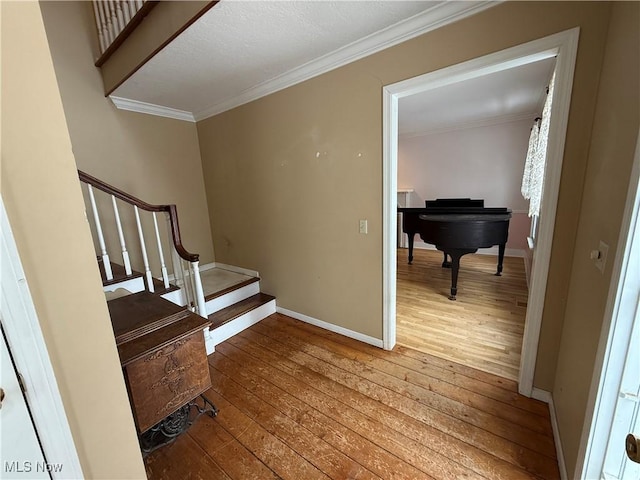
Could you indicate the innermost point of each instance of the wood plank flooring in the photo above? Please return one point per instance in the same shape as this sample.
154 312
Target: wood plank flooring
483 328
298 402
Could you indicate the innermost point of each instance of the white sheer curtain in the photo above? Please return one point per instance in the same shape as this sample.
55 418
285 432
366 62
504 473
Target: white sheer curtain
533 177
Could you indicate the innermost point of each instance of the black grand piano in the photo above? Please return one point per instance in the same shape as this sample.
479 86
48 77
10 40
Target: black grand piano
457 226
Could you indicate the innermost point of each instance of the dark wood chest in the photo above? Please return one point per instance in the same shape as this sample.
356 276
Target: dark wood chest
162 353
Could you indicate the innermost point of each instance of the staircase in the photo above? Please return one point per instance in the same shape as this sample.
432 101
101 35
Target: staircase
229 297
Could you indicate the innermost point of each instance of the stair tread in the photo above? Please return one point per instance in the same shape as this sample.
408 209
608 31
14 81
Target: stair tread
227 314
119 273
158 287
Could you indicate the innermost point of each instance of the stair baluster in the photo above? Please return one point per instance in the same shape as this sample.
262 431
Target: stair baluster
103 247
119 15
143 247
99 25
123 245
198 291
163 267
188 288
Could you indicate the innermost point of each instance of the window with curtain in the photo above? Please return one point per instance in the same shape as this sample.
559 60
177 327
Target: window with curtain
534 167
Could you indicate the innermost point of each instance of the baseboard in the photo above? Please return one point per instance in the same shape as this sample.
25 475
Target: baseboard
233 268
202 268
376 342
547 398
206 266
509 252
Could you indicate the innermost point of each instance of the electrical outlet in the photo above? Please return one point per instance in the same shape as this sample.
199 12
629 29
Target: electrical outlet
364 227
601 259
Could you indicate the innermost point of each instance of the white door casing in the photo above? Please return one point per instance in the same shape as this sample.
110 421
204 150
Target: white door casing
26 343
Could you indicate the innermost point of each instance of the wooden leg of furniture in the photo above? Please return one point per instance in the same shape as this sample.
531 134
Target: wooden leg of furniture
171 427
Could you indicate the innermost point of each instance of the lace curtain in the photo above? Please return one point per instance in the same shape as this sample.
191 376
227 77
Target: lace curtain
533 177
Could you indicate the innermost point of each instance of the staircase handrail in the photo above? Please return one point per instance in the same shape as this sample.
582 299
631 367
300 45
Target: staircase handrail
170 209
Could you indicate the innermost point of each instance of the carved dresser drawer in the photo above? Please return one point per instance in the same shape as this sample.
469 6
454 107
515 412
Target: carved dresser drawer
162 353
166 379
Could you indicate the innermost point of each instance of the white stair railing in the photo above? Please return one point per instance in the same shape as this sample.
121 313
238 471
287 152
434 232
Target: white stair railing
123 244
163 267
186 271
103 248
143 249
117 18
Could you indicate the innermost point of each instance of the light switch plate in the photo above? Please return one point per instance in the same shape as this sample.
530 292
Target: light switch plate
364 226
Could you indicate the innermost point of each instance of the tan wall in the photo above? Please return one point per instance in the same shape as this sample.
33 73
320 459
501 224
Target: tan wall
613 141
44 204
156 159
289 176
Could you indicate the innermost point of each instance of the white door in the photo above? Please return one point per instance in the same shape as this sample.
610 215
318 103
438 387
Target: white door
626 417
22 337
20 451
616 387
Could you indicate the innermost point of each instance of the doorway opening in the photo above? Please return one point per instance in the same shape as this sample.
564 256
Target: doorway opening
562 46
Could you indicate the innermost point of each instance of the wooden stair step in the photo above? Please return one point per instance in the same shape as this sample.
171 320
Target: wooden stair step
236 310
237 286
119 273
158 287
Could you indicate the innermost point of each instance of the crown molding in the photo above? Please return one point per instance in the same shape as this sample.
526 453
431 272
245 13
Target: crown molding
431 19
151 109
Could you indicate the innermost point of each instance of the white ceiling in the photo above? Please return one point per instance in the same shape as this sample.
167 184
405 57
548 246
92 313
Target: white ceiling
242 50
506 96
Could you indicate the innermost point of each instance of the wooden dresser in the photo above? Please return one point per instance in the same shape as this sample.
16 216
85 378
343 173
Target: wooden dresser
162 353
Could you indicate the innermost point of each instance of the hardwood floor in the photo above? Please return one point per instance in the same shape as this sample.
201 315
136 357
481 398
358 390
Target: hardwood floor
482 329
298 402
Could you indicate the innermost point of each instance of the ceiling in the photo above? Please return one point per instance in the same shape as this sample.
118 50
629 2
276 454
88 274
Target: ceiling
506 96
241 50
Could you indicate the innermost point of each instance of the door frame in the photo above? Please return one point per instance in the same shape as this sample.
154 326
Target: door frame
31 357
563 46
614 336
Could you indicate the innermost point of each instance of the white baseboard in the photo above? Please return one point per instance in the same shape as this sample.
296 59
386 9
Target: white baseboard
207 266
332 328
233 268
509 252
547 398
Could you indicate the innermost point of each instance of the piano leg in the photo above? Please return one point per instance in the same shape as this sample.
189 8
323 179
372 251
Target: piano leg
446 263
500 258
456 254
410 235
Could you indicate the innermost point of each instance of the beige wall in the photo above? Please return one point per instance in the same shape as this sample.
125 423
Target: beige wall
289 176
617 119
44 204
156 159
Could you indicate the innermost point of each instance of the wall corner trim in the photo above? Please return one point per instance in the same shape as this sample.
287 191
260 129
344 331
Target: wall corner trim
547 397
